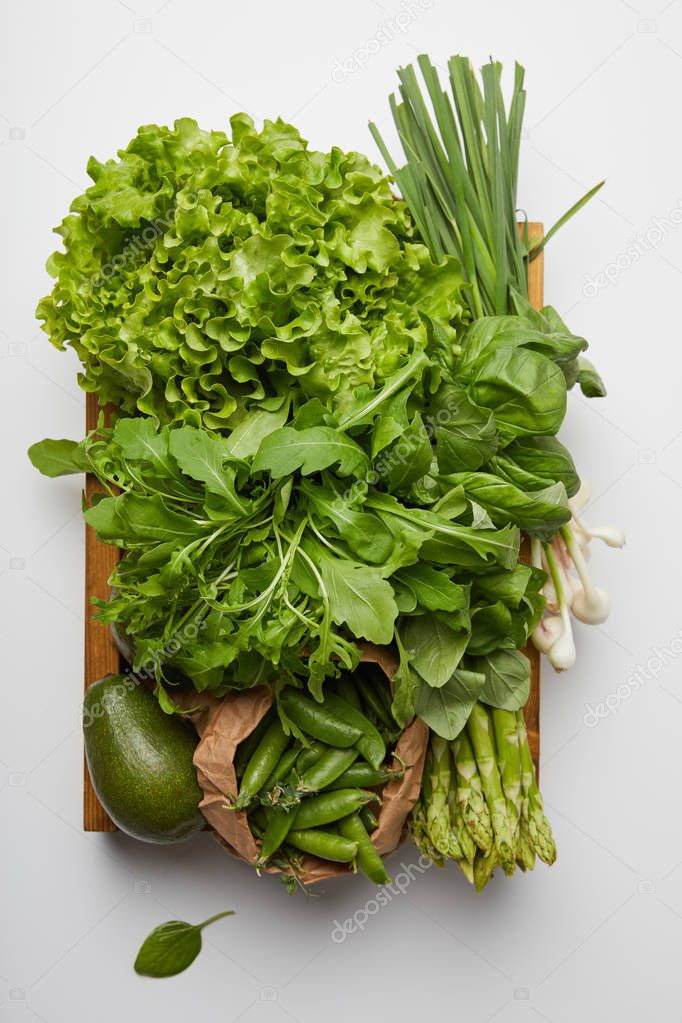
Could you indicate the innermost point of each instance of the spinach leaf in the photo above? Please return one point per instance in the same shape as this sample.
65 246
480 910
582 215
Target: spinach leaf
507 679
545 458
539 512
591 384
434 649
447 709
172 947
526 391
465 433
432 589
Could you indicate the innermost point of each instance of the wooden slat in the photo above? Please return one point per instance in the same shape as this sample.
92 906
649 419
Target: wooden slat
102 656
101 653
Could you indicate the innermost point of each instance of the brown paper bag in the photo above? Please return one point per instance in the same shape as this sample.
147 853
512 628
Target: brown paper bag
224 723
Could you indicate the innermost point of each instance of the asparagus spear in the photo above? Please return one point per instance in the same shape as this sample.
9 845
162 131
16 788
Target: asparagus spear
437 812
456 849
525 854
467 846
509 764
420 837
539 828
469 794
484 867
478 729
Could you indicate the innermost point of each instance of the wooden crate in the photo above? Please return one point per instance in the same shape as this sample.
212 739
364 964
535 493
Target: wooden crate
101 653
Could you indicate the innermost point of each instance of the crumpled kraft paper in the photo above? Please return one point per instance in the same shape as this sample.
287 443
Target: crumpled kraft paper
223 723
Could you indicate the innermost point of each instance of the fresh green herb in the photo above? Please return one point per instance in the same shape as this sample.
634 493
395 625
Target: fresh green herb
172 947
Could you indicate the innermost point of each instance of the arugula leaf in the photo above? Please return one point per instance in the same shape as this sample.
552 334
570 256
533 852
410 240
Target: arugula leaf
407 459
359 597
310 450
507 679
201 457
58 457
138 439
446 709
136 519
365 534
247 436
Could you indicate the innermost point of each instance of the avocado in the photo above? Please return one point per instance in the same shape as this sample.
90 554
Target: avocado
140 761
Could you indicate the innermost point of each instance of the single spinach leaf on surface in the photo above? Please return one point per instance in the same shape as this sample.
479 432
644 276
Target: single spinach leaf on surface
507 679
447 709
310 450
433 647
525 390
172 947
58 457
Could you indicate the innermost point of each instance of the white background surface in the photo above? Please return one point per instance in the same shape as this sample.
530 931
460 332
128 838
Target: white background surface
599 935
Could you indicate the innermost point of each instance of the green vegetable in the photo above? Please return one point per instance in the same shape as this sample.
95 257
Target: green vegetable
329 807
263 762
370 744
538 828
279 824
237 265
325 844
172 947
474 809
315 720
479 730
369 860
140 762
330 766
362 776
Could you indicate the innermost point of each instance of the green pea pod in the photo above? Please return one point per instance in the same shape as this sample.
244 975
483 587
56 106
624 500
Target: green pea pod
370 694
362 776
324 844
330 806
370 744
286 763
347 691
317 720
247 747
278 827
327 769
309 755
262 763
369 860
368 818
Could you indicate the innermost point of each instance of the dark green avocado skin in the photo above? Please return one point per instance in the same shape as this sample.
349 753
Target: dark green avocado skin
140 762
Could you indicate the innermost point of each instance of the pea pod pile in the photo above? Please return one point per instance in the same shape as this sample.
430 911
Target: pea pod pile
480 804
309 772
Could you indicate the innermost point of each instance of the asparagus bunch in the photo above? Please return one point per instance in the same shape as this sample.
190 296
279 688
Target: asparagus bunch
480 804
